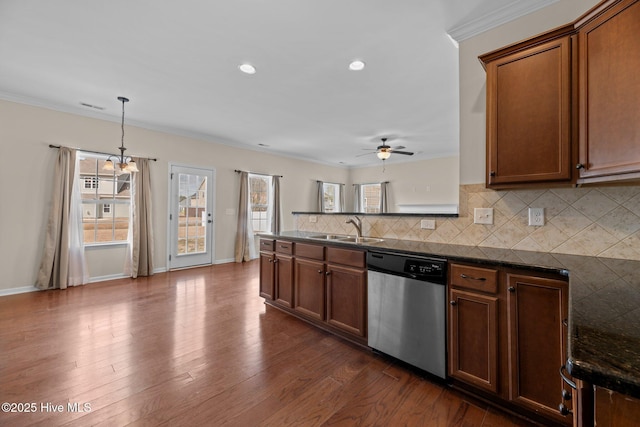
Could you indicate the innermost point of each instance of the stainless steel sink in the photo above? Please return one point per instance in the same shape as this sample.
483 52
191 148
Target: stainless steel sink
346 239
328 237
361 240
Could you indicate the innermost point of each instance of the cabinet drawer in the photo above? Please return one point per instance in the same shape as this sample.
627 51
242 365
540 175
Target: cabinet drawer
350 257
309 251
266 245
476 278
284 247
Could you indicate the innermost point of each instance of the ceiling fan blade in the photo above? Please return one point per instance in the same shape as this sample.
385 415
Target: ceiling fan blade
407 153
365 154
399 147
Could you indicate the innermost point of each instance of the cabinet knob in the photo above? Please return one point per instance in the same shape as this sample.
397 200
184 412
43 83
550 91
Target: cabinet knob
566 395
270 260
564 411
275 261
320 271
579 166
452 302
511 289
328 273
492 173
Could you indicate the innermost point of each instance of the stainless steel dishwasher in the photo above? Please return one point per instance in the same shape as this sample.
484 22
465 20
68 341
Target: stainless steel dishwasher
406 306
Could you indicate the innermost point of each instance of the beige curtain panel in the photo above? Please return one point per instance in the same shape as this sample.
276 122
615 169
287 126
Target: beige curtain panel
62 262
141 225
244 234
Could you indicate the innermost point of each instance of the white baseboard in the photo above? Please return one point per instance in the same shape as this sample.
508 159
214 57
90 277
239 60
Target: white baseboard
15 291
224 261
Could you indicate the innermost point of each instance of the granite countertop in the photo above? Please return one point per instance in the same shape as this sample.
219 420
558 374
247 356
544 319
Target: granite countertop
604 303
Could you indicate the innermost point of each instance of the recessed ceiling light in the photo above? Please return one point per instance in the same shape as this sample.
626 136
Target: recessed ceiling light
356 65
247 68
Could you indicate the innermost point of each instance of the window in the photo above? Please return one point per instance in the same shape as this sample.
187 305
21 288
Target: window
370 198
331 197
105 198
260 199
90 182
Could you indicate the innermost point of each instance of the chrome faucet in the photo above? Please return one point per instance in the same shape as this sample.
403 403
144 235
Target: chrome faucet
357 223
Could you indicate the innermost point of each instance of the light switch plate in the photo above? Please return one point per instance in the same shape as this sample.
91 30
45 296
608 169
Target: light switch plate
313 218
483 216
428 224
536 217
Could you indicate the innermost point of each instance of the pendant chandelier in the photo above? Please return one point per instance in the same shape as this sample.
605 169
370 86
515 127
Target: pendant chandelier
125 163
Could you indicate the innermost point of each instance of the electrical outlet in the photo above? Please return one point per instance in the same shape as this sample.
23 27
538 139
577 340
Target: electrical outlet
536 217
428 224
483 216
313 218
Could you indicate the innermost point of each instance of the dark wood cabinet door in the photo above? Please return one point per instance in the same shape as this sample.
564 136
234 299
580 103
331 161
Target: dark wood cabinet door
473 339
609 94
537 312
284 280
346 299
529 115
309 290
267 275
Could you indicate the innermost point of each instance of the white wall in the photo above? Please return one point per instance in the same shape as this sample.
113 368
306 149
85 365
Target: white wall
432 181
27 169
473 77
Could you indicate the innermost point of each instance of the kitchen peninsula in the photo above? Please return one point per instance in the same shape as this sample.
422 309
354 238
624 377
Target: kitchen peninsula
603 318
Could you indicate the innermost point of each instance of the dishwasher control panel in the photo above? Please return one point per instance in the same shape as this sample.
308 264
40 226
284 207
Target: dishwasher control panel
424 268
415 267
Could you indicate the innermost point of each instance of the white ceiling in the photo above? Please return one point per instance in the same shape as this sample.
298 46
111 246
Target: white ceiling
177 62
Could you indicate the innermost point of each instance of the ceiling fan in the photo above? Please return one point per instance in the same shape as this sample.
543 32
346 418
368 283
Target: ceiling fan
384 151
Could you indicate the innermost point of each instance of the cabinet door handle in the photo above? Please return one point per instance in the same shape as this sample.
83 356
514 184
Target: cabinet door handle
452 302
511 289
492 173
564 411
464 276
579 166
327 273
566 379
275 261
270 260
320 271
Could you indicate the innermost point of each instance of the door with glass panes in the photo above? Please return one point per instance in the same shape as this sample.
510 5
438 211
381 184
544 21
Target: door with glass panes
191 216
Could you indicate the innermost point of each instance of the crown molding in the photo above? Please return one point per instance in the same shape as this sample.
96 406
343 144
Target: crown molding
496 18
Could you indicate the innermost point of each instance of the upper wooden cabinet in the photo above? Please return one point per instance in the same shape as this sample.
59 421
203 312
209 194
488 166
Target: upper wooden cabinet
609 93
529 113
563 107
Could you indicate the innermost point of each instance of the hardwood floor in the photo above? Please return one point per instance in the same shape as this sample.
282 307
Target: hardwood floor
199 347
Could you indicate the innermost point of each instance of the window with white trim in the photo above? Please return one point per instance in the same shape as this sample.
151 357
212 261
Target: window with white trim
105 199
331 195
370 198
260 198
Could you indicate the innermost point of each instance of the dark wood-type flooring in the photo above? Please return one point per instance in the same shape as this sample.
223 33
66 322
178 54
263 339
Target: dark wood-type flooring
199 347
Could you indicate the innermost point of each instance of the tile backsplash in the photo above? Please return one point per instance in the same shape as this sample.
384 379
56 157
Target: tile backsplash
596 221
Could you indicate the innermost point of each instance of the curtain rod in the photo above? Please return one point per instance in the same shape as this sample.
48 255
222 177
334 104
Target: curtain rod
256 173
369 183
103 153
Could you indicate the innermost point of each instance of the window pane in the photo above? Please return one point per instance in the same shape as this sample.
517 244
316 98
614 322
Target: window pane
106 199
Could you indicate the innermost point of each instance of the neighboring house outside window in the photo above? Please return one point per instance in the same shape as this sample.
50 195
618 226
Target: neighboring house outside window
106 200
370 198
260 198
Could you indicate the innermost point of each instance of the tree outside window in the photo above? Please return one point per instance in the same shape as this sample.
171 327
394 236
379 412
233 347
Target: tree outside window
260 199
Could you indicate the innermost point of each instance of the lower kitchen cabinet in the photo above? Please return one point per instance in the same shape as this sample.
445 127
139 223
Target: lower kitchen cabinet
267 271
309 288
536 318
613 409
326 286
507 337
473 343
346 299
473 326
